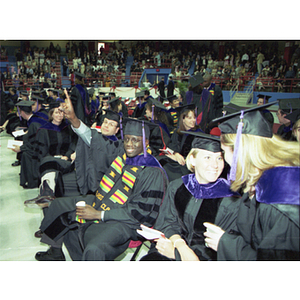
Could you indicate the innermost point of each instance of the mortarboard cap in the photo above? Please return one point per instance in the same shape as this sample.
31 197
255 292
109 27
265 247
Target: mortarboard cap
25 105
101 94
196 80
294 116
112 94
134 127
140 94
264 96
253 122
91 91
54 104
112 115
171 98
113 102
186 107
288 105
105 98
232 108
156 103
205 141
24 93
37 98
79 75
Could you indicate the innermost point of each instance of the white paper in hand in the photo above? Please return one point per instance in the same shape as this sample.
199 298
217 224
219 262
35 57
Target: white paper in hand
210 227
149 233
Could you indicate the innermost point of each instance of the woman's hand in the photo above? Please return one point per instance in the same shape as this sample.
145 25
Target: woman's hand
87 212
177 157
16 149
213 234
165 247
73 156
65 157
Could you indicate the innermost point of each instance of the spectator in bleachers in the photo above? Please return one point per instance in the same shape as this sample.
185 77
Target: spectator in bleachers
290 74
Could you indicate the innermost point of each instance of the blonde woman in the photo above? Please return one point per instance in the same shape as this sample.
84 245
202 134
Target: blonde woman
266 168
192 200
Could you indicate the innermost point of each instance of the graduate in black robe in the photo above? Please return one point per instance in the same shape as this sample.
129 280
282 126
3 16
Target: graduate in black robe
94 154
192 201
286 106
172 113
159 135
208 99
130 193
268 217
180 143
28 175
80 99
139 110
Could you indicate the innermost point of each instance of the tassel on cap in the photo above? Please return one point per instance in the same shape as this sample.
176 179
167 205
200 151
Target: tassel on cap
144 139
233 168
121 128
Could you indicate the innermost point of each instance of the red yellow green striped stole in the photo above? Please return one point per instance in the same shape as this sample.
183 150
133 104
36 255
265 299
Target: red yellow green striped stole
174 117
114 172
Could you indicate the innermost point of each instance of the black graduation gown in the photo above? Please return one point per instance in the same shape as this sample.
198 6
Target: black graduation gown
180 143
161 89
184 214
267 231
92 161
80 100
285 132
170 88
139 111
172 116
142 206
210 104
159 138
53 140
29 164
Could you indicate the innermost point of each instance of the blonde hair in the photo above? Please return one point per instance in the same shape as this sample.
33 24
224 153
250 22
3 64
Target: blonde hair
258 154
294 130
193 152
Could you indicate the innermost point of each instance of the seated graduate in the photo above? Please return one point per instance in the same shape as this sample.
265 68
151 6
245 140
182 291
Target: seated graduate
130 193
95 151
159 135
98 118
28 175
38 108
286 106
139 110
172 113
55 153
124 109
192 200
180 143
266 168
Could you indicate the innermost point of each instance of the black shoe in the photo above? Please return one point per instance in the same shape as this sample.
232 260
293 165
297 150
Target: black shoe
16 163
39 202
51 254
38 234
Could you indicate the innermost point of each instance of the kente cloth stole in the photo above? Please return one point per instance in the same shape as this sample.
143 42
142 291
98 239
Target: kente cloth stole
113 174
174 117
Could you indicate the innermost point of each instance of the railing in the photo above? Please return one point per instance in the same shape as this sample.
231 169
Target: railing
243 83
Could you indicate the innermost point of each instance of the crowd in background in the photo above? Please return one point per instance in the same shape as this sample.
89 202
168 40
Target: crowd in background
38 64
